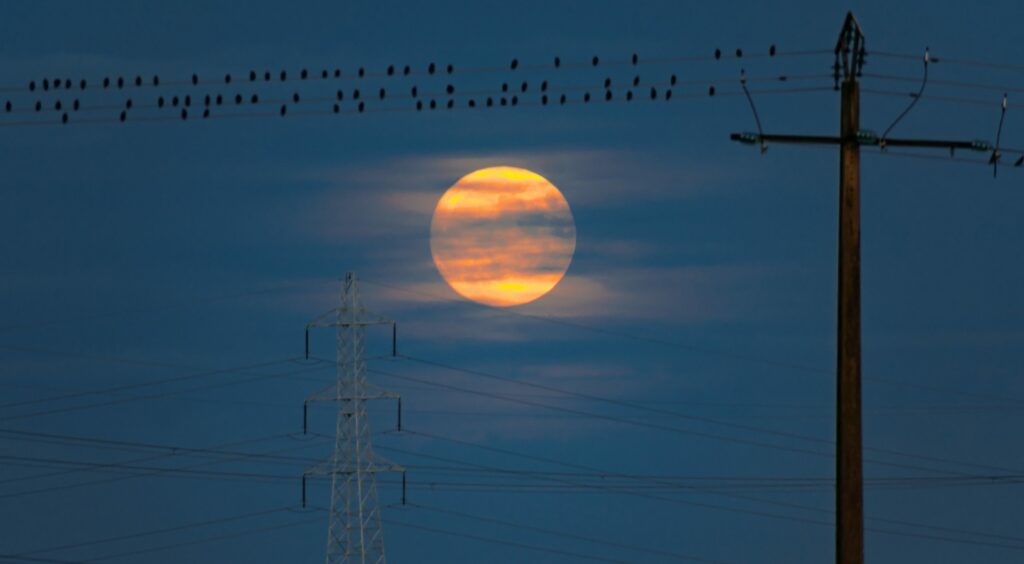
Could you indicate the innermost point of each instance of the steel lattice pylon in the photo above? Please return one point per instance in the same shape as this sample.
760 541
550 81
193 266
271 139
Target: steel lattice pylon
354 533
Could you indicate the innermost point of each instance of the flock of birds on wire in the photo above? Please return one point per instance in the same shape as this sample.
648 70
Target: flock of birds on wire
205 105
436 89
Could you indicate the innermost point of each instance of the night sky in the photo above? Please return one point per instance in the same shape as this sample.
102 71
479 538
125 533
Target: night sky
671 399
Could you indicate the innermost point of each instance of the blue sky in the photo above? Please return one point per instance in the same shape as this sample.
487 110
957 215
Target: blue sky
703 287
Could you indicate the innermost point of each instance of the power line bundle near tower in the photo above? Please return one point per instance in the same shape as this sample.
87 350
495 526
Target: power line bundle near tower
354 533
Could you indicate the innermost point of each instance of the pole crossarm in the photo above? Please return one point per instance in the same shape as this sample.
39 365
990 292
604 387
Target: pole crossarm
864 138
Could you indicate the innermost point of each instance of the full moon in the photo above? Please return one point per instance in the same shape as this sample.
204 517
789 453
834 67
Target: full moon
502 236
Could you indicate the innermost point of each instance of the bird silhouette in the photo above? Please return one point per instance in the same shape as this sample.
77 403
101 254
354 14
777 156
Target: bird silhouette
515 64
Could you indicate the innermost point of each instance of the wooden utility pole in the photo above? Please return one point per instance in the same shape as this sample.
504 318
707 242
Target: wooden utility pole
849 473
849 59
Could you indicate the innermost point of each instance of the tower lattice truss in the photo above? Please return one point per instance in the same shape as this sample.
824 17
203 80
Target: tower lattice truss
354 532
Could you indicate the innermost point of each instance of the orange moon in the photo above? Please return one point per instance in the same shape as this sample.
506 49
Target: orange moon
502 236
